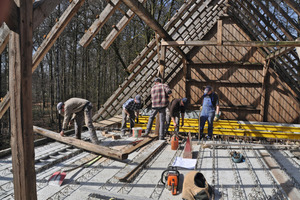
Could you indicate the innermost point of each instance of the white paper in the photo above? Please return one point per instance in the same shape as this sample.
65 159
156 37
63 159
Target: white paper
185 163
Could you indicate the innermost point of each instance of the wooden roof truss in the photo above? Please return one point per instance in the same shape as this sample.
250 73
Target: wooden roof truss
190 23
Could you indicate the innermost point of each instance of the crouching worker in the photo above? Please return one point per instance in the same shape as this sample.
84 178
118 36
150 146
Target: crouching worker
173 111
195 187
131 109
79 110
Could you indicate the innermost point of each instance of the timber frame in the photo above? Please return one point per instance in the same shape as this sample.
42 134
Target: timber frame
199 26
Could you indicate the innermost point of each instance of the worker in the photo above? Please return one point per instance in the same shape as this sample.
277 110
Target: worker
159 96
131 109
210 106
77 110
173 111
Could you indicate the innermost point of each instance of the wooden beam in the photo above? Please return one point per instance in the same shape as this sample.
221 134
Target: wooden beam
293 5
20 85
99 22
220 32
225 83
279 52
98 149
51 38
233 43
298 48
4 36
41 10
263 96
118 28
143 13
55 32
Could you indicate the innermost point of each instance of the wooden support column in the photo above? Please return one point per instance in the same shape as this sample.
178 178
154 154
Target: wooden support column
20 84
298 48
220 32
162 63
186 77
264 97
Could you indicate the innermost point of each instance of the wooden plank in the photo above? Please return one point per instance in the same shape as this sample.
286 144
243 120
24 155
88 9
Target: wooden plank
293 5
20 85
109 122
118 28
139 160
4 36
281 177
219 31
263 100
279 52
130 149
102 150
298 48
233 43
4 105
226 83
99 22
55 32
143 13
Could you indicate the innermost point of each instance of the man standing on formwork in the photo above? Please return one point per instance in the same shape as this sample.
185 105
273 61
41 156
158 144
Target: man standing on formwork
77 109
210 106
173 111
159 94
130 108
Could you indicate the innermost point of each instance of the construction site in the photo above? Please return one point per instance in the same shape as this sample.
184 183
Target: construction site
247 51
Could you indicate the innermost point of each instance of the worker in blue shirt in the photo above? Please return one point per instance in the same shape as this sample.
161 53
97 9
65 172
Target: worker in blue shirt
210 106
131 109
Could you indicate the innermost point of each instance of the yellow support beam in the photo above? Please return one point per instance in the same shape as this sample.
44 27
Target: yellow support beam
235 128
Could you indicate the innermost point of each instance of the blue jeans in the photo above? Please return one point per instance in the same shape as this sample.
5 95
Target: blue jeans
162 119
210 121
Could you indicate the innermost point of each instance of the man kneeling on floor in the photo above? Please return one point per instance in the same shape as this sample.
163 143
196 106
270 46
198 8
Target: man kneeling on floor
77 109
131 108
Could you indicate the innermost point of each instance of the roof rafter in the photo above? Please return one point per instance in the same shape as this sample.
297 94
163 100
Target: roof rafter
143 13
118 28
293 5
41 10
99 22
49 41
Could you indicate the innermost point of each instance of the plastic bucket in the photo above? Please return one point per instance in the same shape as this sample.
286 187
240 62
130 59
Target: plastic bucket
137 132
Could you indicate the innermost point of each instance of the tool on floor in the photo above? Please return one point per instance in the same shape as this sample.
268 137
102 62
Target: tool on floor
58 177
171 177
135 142
237 157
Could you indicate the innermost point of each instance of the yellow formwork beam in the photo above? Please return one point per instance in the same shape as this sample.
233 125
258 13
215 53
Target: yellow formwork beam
233 128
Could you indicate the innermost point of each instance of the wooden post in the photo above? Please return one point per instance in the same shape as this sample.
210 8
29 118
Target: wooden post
20 83
186 78
298 48
263 100
220 32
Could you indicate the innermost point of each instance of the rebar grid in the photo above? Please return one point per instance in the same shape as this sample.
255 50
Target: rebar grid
160 186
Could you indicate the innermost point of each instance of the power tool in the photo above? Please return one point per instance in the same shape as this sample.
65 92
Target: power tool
171 177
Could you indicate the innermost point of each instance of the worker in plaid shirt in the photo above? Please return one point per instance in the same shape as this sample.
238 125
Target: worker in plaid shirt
159 93
130 108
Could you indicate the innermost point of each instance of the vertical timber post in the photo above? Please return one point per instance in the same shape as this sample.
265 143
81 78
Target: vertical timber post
263 100
20 84
220 32
298 48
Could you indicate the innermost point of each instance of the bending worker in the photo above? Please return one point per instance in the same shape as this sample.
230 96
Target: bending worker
131 108
173 111
77 109
210 106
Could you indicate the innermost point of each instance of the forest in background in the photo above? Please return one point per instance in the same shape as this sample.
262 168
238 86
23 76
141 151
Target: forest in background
70 70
